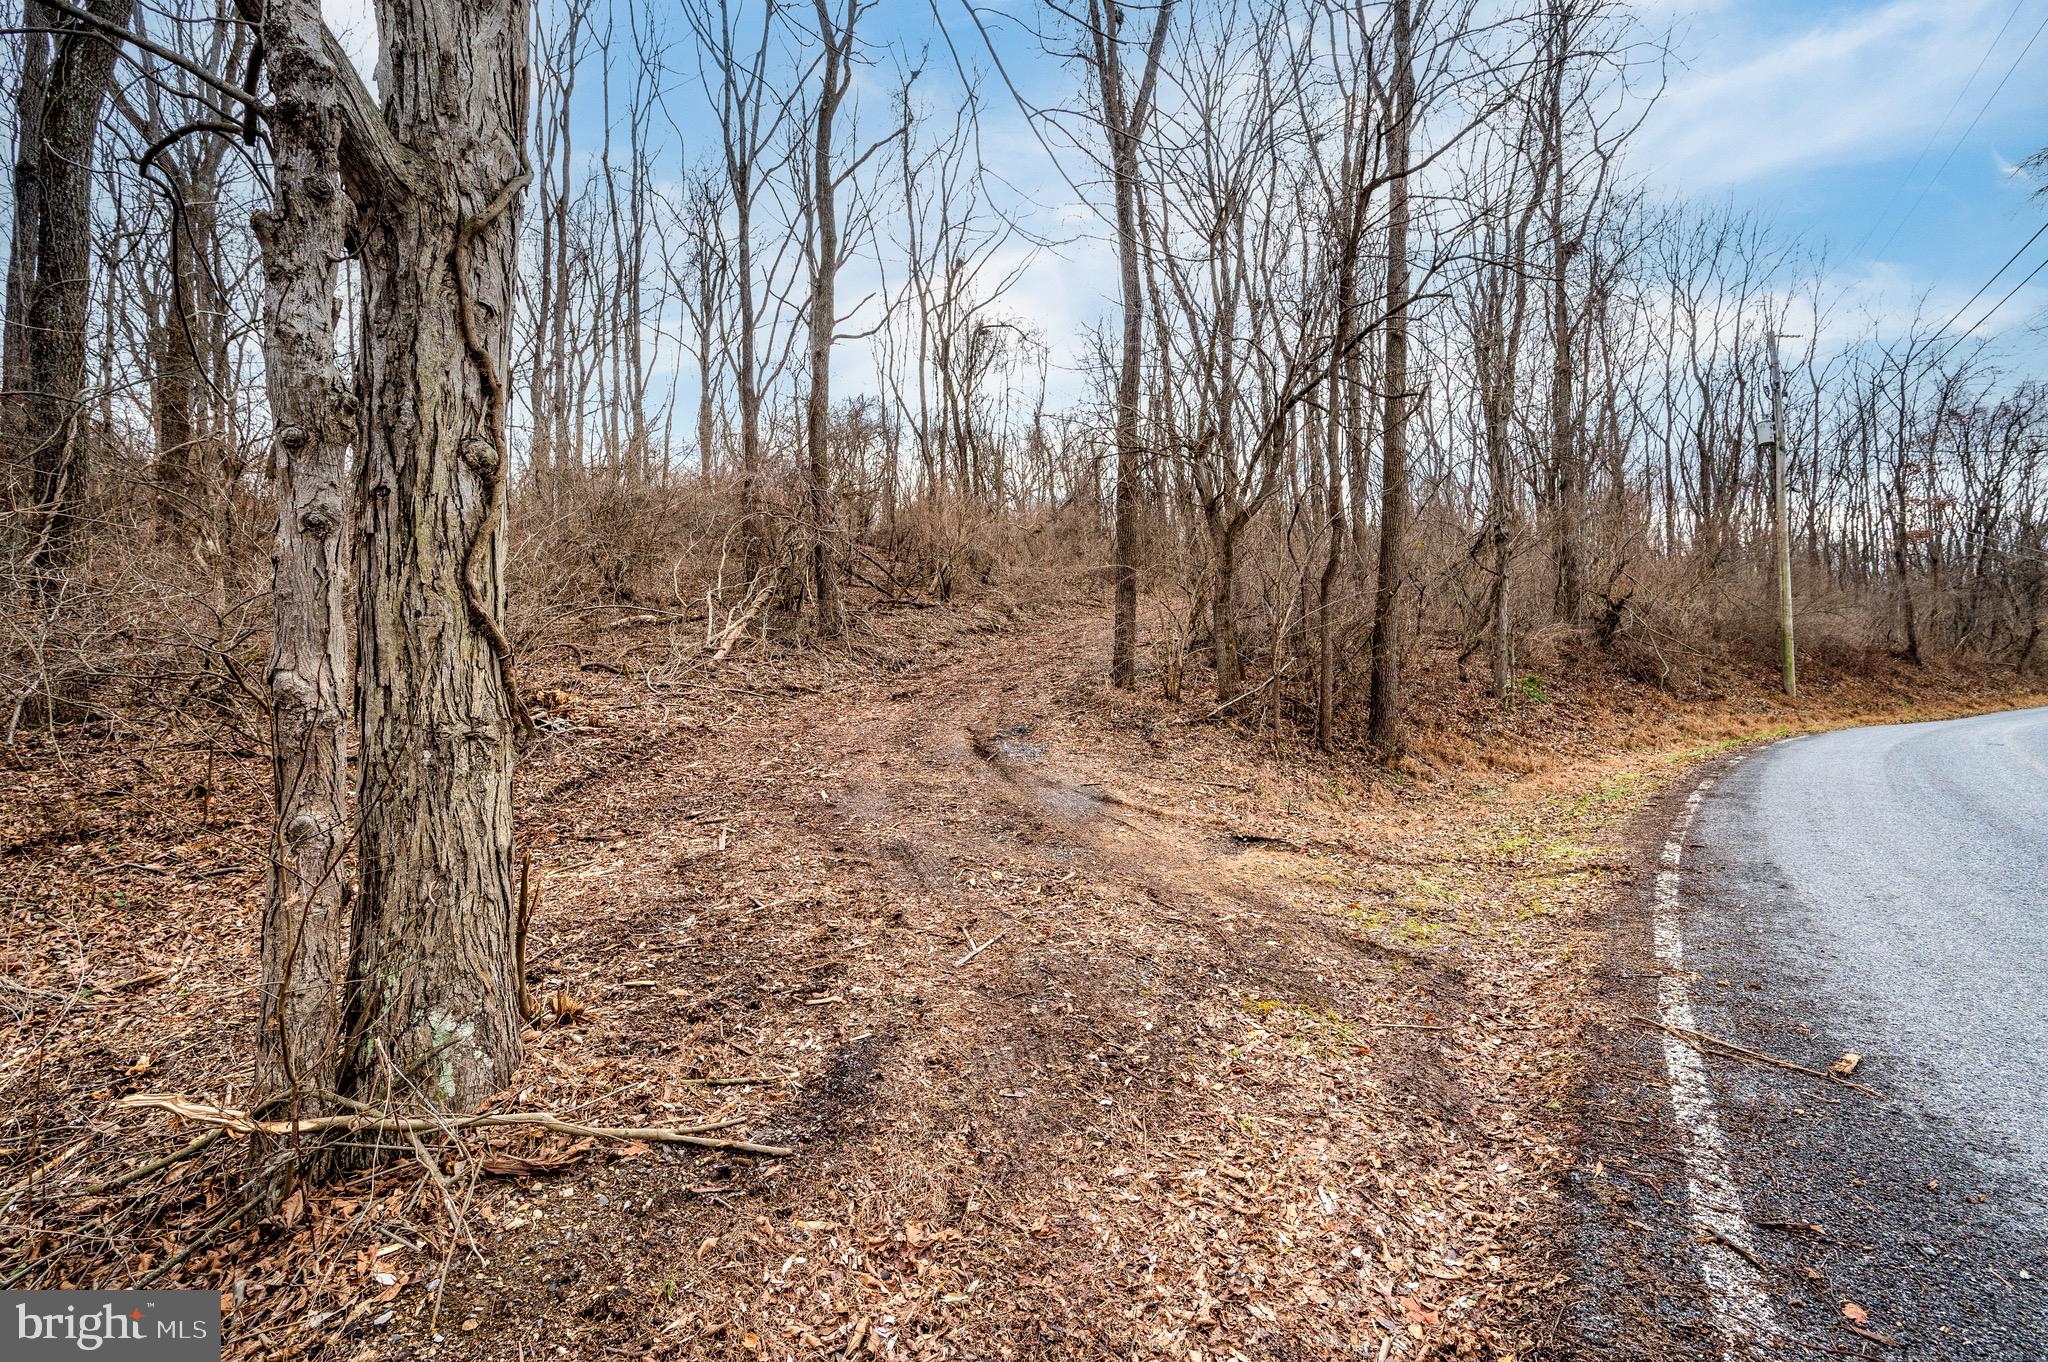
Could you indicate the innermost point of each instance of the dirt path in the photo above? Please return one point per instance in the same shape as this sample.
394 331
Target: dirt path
1080 1043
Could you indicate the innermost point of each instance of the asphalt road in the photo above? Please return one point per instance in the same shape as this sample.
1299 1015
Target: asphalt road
1883 891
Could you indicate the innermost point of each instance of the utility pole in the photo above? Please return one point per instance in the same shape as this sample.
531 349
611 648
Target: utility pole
1782 525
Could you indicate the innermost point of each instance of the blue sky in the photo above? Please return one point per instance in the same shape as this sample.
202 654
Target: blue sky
1885 132
1849 121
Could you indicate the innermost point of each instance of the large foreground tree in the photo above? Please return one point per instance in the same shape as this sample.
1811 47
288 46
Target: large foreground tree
427 1009
434 1010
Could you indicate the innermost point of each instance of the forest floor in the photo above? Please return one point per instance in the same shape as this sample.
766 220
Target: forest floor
1095 1028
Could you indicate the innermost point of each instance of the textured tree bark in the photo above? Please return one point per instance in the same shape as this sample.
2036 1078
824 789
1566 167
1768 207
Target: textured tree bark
77 87
305 906
433 1014
28 214
1383 720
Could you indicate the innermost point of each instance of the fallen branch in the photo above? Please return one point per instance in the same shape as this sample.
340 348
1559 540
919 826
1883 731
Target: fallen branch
37 1174
1873 1335
529 1006
1714 1045
736 624
211 1233
1790 1226
983 946
373 1122
135 1175
1239 699
1733 1247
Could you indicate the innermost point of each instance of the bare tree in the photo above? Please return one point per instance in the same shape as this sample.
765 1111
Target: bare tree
704 287
751 115
1384 714
1124 115
67 129
835 77
31 91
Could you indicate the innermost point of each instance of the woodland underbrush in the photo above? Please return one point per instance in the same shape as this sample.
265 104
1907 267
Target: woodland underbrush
152 626
911 905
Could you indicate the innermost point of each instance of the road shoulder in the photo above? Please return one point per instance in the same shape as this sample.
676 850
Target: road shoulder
1877 1227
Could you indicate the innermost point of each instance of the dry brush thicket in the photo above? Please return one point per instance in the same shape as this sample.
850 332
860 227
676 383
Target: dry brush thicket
328 406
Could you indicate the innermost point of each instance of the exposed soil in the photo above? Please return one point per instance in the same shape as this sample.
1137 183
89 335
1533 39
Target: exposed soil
1095 1030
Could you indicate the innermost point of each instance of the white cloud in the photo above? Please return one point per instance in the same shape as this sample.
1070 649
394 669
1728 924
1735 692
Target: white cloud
1870 85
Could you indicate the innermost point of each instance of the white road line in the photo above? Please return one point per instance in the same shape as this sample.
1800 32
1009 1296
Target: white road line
1741 1308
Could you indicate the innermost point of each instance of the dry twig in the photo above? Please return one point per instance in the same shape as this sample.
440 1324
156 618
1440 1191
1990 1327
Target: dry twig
1714 1045
982 947
374 1122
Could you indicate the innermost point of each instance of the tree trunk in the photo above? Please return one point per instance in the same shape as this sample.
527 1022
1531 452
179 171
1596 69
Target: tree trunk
1343 425
1223 644
707 379
302 239
746 375
1500 489
1333 550
171 394
1123 661
837 39
1902 564
1123 121
434 1015
28 216
190 473
77 87
1384 710
1566 456
705 429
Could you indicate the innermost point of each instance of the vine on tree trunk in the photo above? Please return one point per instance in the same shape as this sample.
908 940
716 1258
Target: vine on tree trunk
492 463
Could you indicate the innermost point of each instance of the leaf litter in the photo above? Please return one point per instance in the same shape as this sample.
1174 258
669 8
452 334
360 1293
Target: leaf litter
1096 1031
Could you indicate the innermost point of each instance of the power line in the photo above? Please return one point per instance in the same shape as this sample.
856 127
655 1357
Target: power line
1891 201
1982 109
1994 308
1981 288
